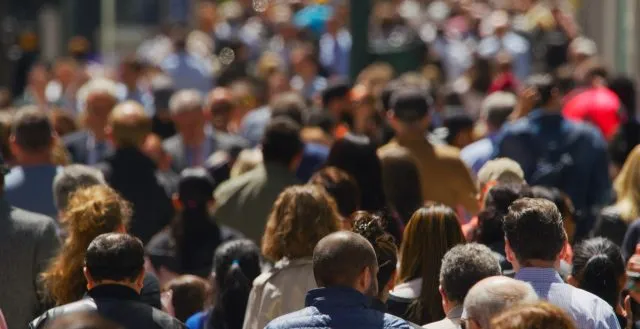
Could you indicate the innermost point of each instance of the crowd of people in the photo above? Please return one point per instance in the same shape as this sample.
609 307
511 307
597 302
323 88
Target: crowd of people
232 176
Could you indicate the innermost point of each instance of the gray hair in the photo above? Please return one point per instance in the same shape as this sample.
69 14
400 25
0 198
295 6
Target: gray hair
72 178
97 86
187 100
497 107
465 265
491 296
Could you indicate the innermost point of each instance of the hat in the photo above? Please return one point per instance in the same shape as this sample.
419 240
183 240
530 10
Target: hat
410 105
501 170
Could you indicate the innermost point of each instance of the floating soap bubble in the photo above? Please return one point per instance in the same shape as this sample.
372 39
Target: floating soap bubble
227 55
260 6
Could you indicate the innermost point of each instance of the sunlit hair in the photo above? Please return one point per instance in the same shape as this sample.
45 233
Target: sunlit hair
301 216
531 316
90 212
430 233
627 187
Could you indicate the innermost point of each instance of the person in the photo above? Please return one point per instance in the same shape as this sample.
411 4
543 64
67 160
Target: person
133 174
187 245
462 267
235 265
628 134
490 297
114 273
504 39
495 111
96 98
131 84
244 203
401 181
306 79
342 187
221 106
301 216
533 316
246 161
444 177
185 69
558 153
564 204
70 179
82 320
194 142
430 233
154 149
186 296
63 122
31 141
598 267
536 261
613 221
345 267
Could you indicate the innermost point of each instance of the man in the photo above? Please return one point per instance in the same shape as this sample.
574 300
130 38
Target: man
491 296
445 178
462 267
28 184
503 39
555 152
114 270
186 70
96 98
70 179
495 111
131 88
535 243
27 242
195 140
244 202
345 267
221 107
133 174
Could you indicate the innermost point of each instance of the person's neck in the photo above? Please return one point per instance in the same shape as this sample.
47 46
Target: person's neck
536 263
410 135
130 285
28 160
194 139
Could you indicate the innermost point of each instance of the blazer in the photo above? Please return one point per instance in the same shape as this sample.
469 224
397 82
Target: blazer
77 145
217 141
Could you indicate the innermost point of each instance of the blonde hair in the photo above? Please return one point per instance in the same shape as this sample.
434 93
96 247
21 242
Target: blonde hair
627 187
91 211
129 125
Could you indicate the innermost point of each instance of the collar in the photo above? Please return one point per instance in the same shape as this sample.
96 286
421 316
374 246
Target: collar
540 113
455 313
539 274
337 297
113 291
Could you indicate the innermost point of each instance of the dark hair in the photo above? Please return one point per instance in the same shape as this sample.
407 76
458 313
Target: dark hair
335 91
357 156
625 88
290 105
340 257
387 94
189 295
497 202
235 264
281 142
528 220
555 195
544 84
401 179
82 320
465 265
115 257
341 186
598 267
32 130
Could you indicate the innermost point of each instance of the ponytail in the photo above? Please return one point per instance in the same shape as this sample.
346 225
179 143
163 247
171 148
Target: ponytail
599 278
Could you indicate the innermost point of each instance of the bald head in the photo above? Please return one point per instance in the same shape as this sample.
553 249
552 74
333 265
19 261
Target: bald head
129 125
493 295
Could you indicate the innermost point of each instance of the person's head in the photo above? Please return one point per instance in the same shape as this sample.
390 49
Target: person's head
114 258
375 76
582 49
357 156
548 93
128 125
281 143
564 204
462 267
430 233
460 129
63 122
496 109
246 161
248 94
291 105
39 76
346 259
65 70
500 22
186 111
410 111
496 206
96 99
401 180
625 88
372 228
189 295
335 100
541 315
195 191
154 149
220 104
599 268
627 187
501 170
207 16
82 320
341 186
72 178
91 211
304 62
301 216
131 69
32 137
491 296
529 219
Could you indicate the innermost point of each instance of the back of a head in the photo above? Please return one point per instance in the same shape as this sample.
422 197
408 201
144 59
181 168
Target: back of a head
502 170
336 90
555 195
411 105
72 178
186 100
529 219
463 266
190 295
401 179
341 186
340 258
290 105
493 295
82 320
625 88
497 202
115 257
545 85
540 315
281 142
129 125
598 267
32 130
497 107
195 187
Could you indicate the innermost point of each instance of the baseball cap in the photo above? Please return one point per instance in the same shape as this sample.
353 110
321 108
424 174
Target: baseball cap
411 105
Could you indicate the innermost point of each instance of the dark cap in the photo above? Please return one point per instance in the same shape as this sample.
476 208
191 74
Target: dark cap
411 105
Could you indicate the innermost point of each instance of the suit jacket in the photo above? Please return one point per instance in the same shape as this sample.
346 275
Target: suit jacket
218 141
27 242
77 146
452 321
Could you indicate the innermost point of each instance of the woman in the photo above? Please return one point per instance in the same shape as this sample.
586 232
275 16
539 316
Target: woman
235 265
431 232
401 180
301 216
614 220
598 267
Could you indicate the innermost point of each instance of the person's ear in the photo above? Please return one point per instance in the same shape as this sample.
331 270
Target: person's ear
511 257
177 204
89 278
364 280
140 280
121 229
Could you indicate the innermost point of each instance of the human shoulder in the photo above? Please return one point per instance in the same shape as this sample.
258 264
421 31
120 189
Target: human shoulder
29 221
283 267
394 322
303 318
164 320
84 305
235 185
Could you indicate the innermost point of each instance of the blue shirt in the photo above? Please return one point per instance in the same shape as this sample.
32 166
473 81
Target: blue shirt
335 52
313 157
31 188
196 321
254 123
188 72
587 310
517 46
476 154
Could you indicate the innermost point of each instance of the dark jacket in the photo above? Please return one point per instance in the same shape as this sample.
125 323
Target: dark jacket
217 141
77 145
27 242
631 239
610 225
134 176
337 308
117 303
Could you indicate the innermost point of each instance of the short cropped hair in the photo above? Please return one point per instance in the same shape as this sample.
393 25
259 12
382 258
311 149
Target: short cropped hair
116 257
188 100
72 178
290 105
339 258
497 107
32 130
96 86
281 142
465 265
129 124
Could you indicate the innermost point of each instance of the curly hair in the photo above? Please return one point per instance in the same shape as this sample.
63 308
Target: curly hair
301 216
90 212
